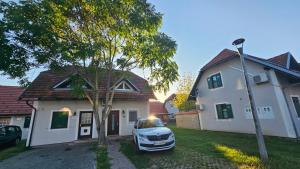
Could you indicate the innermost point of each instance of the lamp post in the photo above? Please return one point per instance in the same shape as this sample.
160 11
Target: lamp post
260 138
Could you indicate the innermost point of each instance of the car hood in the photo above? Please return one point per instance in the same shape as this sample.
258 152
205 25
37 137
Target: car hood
155 131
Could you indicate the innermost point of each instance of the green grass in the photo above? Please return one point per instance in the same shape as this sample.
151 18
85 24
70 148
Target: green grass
12 150
102 158
238 149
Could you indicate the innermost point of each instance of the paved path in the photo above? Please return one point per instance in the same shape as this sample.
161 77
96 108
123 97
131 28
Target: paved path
117 159
59 156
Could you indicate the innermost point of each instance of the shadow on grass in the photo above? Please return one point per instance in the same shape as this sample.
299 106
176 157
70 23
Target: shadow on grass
11 150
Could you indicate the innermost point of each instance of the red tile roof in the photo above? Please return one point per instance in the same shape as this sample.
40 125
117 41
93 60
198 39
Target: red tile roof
280 60
9 104
157 107
225 54
42 87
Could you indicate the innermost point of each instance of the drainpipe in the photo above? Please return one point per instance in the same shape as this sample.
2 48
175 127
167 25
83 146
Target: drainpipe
290 113
33 120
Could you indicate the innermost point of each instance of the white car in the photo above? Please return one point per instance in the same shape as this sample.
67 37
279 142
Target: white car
151 135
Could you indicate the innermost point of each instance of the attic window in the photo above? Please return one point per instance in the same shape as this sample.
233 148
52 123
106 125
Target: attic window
124 86
66 84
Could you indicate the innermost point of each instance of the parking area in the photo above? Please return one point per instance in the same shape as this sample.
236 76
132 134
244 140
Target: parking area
67 156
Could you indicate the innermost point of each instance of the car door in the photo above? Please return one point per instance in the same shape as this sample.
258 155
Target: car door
10 133
3 138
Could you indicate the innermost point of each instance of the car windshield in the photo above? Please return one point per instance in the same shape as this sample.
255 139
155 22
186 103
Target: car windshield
149 123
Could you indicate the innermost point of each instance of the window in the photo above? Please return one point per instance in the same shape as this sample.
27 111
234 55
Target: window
124 86
214 81
296 102
224 111
4 121
59 119
27 122
132 116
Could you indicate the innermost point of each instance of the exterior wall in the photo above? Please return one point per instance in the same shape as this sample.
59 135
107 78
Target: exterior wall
234 93
289 91
18 121
42 134
187 120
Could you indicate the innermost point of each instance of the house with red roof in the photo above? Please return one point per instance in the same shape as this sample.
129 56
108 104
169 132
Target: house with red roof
222 100
157 109
12 110
60 116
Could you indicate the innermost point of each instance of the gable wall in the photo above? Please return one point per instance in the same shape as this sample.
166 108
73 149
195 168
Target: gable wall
234 92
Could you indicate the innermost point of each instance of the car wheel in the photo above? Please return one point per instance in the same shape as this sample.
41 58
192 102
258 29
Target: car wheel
137 149
17 141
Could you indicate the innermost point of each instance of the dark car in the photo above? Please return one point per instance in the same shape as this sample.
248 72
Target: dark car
10 135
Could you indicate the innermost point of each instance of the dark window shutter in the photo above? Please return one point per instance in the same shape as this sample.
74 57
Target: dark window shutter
229 111
219 111
219 80
27 122
209 83
297 105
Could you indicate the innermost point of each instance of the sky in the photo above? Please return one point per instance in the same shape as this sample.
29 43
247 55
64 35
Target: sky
202 28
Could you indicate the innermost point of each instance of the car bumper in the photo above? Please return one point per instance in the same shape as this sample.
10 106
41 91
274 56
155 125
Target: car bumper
152 147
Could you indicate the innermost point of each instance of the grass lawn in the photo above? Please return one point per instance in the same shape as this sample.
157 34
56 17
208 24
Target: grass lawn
102 157
12 150
208 149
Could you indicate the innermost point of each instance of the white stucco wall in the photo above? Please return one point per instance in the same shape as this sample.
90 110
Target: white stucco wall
234 92
42 134
19 121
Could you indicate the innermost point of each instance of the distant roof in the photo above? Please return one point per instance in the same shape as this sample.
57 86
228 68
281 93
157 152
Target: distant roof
42 88
9 103
284 63
157 107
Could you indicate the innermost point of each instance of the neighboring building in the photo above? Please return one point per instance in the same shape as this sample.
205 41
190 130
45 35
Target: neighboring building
170 107
12 111
157 109
222 100
62 117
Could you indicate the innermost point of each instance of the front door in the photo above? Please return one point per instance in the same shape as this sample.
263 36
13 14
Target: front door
85 124
113 123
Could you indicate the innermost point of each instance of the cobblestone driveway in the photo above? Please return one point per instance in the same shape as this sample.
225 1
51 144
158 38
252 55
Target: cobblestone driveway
59 156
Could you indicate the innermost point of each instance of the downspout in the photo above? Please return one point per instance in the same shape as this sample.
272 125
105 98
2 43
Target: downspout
33 120
290 113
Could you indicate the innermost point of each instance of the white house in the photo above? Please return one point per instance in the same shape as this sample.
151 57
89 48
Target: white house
13 111
222 99
61 117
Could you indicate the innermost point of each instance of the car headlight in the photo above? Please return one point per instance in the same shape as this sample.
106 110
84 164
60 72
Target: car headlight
142 137
172 135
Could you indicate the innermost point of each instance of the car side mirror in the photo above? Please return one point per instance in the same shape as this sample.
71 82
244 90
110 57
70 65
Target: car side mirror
135 126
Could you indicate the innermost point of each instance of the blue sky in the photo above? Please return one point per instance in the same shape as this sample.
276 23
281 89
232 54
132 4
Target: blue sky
202 28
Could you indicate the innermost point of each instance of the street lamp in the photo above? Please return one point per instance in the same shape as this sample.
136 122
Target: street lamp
260 138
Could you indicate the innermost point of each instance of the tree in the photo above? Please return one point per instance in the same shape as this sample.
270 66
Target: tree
97 37
184 88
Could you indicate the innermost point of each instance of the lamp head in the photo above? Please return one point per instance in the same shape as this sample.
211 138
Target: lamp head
239 44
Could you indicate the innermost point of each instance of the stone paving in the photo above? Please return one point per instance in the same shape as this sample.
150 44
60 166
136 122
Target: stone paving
117 159
57 156
190 160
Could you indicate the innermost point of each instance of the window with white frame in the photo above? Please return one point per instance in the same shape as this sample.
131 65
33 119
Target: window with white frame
214 81
60 120
132 117
224 111
124 86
